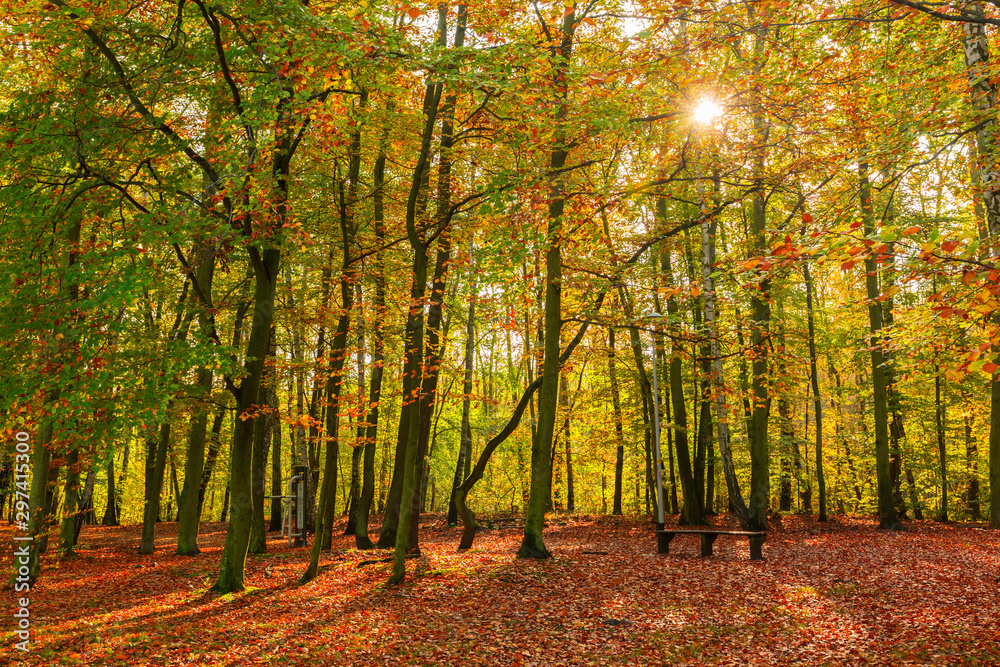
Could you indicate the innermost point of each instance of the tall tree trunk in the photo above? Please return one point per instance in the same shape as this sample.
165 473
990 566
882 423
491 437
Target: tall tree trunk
465 441
645 390
692 511
886 506
85 505
276 490
267 422
918 513
265 265
409 424
939 422
71 496
157 441
122 481
760 470
564 400
972 471
788 444
338 355
111 509
45 476
817 397
188 507
38 519
431 365
435 339
984 99
361 539
616 406
358 451
214 445
533 544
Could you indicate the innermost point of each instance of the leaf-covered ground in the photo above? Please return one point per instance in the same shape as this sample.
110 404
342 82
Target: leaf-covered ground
840 593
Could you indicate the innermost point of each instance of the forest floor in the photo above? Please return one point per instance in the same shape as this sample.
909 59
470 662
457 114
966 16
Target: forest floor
825 594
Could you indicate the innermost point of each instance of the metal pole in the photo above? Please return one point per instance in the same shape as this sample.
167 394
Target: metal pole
300 505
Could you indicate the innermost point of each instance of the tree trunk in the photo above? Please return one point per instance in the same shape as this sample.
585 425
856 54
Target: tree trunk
338 356
267 422
918 513
188 505
225 504
788 444
85 505
972 471
361 539
409 422
570 491
111 509
760 471
533 544
886 506
817 397
188 509
939 422
156 464
431 363
984 99
354 494
214 445
616 405
692 511
276 486
465 442
240 487
67 532
44 480
645 390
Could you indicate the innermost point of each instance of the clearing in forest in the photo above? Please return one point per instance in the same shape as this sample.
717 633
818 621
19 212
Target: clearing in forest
826 594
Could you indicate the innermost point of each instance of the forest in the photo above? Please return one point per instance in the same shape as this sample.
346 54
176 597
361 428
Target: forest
443 290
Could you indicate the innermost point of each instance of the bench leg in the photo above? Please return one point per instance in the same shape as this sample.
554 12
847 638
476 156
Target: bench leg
756 542
663 542
706 544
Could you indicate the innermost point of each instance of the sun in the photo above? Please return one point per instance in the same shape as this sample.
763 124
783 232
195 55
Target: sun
707 111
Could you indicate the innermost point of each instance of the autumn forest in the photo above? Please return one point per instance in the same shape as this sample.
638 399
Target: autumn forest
394 322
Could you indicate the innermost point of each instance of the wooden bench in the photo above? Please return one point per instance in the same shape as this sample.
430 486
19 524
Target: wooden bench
708 538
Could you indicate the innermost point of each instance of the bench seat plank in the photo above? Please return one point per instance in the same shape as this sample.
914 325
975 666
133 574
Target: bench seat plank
708 537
